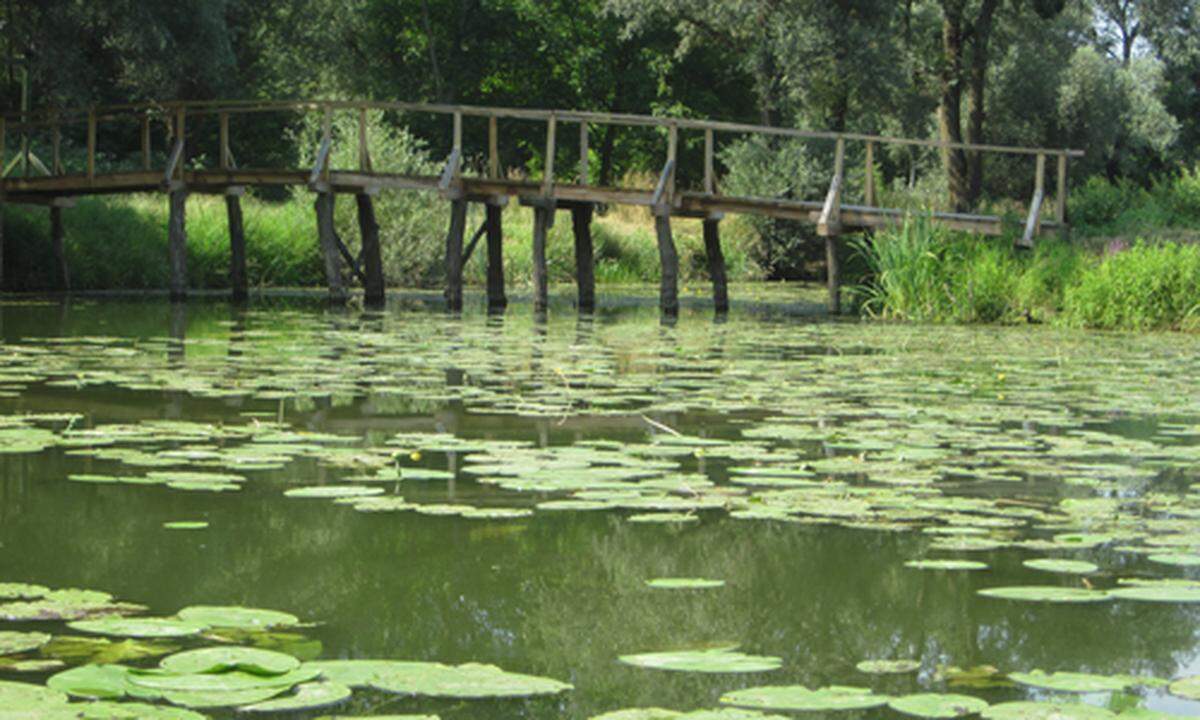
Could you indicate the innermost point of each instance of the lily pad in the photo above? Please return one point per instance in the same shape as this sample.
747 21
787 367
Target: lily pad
13 643
185 525
1071 681
1045 711
1158 593
888 667
1176 559
22 591
334 491
716 660
1066 567
99 682
463 681
308 696
134 711
242 618
684 584
938 705
28 697
801 699
1046 594
139 627
224 659
946 565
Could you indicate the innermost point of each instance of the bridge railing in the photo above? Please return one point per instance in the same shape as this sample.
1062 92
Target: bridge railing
176 116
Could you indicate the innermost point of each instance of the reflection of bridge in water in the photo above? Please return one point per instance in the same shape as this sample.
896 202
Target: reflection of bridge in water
184 170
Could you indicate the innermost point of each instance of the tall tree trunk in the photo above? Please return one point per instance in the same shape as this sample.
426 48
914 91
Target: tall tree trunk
950 104
976 96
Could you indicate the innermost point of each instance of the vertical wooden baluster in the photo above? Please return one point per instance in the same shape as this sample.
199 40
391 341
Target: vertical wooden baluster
1040 187
709 180
493 147
458 127
869 200
551 147
364 144
584 174
1060 209
224 120
672 151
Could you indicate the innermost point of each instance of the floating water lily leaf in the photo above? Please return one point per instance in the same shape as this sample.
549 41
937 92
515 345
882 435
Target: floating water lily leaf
334 491
18 665
185 525
225 682
1177 559
359 673
224 659
1158 593
463 681
101 682
139 627
221 698
308 696
801 699
133 711
1188 687
938 705
1045 711
102 651
13 643
980 677
237 617
714 660
22 591
1046 593
661 714
18 696
888 667
1068 567
684 583
663 517
946 565
66 605
1071 681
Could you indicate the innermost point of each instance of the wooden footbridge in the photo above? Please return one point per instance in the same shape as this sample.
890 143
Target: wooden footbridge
172 161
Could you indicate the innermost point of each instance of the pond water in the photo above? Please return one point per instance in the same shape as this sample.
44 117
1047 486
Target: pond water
800 463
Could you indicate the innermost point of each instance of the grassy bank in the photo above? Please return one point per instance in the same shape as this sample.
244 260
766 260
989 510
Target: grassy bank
925 273
120 243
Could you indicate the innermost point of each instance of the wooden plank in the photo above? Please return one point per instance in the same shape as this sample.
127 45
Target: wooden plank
672 149
585 265
542 218
238 281
551 148
454 255
327 237
710 182
177 244
584 174
91 145
716 263
869 193
58 243
374 294
668 291
495 261
493 148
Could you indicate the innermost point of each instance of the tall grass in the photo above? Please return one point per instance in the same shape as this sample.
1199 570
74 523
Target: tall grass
1143 288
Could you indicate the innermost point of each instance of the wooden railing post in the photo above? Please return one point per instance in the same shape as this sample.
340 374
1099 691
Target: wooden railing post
493 147
672 149
709 180
584 174
364 145
551 147
1033 225
146 142
458 124
1060 208
224 120
869 193
91 144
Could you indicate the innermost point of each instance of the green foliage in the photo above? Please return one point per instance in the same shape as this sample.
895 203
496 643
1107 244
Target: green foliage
1145 287
1123 209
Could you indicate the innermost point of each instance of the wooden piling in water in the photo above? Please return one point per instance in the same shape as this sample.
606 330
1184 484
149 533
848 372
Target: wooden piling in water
327 235
585 266
833 275
57 242
716 262
454 255
543 218
237 245
177 244
668 292
495 257
373 286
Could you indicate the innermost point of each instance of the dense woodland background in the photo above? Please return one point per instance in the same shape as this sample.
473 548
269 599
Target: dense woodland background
1119 79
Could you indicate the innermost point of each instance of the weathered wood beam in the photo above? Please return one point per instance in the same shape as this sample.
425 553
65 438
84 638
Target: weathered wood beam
493 148
716 262
1060 205
58 243
830 222
584 170
373 284
177 244
475 238
1033 222
710 182
495 266
668 291
543 219
585 263
551 150
869 192
238 282
833 274
327 236
454 255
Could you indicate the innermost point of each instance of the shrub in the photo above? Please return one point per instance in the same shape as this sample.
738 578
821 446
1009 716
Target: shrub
1145 287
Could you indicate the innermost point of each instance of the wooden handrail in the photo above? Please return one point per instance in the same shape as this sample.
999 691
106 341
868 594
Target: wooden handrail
200 108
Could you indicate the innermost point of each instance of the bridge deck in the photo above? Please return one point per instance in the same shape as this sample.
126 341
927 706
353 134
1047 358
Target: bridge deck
833 216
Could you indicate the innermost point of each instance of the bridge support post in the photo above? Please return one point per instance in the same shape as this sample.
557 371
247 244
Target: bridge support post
237 245
497 301
1 233
716 262
585 266
454 255
543 220
57 241
368 226
177 244
833 274
668 291
327 234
